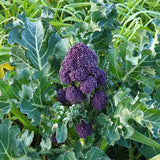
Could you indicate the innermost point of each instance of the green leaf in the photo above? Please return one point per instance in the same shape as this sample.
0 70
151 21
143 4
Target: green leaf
108 129
61 133
54 67
33 97
15 146
69 155
38 42
31 111
19 59
62 47
26 93
101 39
95 153
10 146
133 109
133 67
104 14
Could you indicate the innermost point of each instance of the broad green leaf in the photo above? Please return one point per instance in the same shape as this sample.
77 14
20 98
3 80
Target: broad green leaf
19 59
69 155
133 67
26 93
31 111
101 39
104 14
38 39
32 97
61 133
129 109
126 110
108 129
95 153
62 47
10 147
54 67
14 146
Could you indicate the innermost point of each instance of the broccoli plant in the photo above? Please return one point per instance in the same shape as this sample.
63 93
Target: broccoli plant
79 70
72 95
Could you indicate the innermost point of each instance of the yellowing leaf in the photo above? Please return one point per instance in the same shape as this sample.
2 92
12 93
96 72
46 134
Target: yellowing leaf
5 66
1 71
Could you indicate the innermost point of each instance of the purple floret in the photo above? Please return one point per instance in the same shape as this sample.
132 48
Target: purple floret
74 95
78 75
100 76
88 85
61 96
69 63
64 76
99 100
84 129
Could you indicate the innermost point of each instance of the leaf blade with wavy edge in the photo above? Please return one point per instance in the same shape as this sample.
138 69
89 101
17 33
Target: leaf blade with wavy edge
38 42
61 133
9 142
96 153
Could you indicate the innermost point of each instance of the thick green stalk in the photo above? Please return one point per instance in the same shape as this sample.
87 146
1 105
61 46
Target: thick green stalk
144 140
103 145
23 119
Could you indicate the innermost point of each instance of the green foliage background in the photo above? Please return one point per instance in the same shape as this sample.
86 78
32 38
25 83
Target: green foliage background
35 36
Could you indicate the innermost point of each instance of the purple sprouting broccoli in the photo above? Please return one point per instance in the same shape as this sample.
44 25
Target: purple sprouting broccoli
100 76
79 59
78 75
74 95
99 100
80 65
61 96
84 129
64 76
88 85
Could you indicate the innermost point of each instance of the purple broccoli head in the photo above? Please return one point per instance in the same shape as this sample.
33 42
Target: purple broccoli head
61 96
99 100
79 59
88 85
84 129
100 76
74 95
64 76
69 64
82 55
78 75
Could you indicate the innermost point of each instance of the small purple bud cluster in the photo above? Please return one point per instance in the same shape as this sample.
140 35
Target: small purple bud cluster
80 67
84 129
